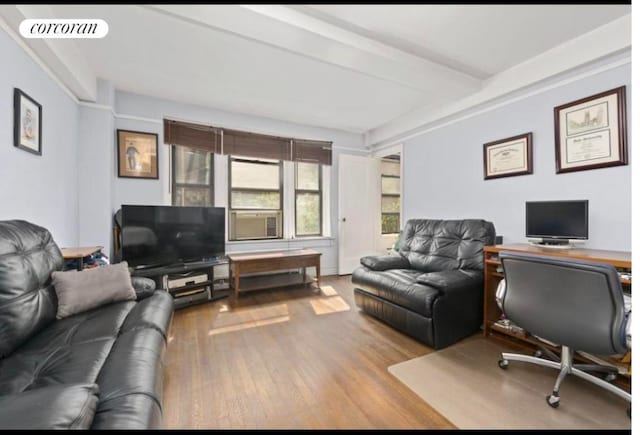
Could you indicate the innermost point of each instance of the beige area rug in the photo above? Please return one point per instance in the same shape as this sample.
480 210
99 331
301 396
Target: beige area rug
465 385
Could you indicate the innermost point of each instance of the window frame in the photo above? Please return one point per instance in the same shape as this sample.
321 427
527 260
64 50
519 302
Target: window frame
389 195
230 190
297 191
175 185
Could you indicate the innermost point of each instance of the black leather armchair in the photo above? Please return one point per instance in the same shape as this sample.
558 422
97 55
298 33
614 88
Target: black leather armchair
99 369
433 289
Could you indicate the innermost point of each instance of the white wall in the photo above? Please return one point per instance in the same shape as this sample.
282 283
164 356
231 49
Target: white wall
142 113
41 189
443 169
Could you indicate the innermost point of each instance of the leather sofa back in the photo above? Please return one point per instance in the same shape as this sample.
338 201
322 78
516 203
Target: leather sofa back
434 245
28 301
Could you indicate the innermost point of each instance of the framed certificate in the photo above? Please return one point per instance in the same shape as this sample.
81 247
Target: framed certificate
591 133
508 157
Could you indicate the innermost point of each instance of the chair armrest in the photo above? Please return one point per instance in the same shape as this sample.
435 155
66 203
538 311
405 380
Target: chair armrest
144 287
451 280
385 262
60 406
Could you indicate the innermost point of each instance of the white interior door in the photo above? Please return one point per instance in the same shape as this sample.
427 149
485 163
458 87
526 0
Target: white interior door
357 216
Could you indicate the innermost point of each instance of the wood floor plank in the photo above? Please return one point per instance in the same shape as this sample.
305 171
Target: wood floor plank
291 358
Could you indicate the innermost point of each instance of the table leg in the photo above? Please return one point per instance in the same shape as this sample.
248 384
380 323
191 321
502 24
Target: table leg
318 273
80 263
304 276
236 277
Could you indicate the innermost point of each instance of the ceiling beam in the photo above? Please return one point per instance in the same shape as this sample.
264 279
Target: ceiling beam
295 32
606 40
62 56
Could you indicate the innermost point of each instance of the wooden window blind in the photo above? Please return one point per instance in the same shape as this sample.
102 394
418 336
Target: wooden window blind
260 146
198 136
246 144
312 151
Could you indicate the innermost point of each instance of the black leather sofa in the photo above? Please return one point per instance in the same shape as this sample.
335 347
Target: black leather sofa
100 369
433 289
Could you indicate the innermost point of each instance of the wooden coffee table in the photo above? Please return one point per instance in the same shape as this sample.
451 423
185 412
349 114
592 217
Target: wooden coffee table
271 261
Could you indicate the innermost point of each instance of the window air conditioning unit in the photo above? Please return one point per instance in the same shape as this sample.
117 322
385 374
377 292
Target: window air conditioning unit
246 225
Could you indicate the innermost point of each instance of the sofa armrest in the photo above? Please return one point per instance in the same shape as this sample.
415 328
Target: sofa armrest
385 262
451 280
60 406
458 309
144 287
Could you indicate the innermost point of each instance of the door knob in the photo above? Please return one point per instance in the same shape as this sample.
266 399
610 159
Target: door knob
344 219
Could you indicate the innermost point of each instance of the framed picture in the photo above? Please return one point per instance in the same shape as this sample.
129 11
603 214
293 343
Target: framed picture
508 157
592 132
27 123
137 154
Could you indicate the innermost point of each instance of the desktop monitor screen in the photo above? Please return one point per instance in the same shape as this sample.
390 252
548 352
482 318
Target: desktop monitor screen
557 219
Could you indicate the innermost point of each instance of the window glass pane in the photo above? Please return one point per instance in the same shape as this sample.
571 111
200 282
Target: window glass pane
390 204
390 168
308 176
192 196
390 223
255 175
307 214
255 200
390 185
192 166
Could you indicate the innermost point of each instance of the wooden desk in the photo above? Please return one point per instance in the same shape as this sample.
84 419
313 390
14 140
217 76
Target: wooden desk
270 261
78 253
492 277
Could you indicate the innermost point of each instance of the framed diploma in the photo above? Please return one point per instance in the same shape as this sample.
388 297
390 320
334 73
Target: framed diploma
591 133
508 157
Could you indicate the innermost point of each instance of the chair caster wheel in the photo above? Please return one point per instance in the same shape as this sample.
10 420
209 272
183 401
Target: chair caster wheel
610 377
503 364
537 353
553 401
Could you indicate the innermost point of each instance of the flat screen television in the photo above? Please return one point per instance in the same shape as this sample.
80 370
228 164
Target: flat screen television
557 222
155 236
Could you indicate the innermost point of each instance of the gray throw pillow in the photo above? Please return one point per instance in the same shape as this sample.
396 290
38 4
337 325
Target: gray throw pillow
91 288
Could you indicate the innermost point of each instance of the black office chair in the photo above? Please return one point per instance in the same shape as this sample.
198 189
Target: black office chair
578 305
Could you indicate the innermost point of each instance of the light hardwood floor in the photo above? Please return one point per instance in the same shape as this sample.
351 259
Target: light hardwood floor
296 358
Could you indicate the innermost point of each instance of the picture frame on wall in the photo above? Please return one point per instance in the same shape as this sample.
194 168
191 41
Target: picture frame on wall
137 154
27 122
508 157
591 133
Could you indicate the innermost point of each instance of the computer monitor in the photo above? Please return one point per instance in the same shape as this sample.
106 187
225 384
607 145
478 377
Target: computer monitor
557 222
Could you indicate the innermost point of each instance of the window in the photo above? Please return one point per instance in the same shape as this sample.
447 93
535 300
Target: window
308 192
390 174
192 181
255 193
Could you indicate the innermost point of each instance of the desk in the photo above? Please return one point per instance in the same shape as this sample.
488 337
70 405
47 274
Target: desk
270 261
492 276
78 253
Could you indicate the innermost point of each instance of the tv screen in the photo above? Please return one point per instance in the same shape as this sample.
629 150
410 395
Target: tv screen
557 219
162 235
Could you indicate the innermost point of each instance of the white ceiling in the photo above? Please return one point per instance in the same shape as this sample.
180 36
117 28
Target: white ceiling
349 67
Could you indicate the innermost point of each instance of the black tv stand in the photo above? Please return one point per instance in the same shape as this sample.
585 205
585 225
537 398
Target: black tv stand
187 294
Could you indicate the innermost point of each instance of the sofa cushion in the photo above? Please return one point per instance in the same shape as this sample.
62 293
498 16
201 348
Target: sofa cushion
433 245
28 255
71 350
54 407
450 280
398 286
385 262
80 291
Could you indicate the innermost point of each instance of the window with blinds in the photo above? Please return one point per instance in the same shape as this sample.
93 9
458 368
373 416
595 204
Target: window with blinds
390 188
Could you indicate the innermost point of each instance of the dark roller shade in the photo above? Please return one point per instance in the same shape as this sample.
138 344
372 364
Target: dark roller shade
242 143
314 151
198 136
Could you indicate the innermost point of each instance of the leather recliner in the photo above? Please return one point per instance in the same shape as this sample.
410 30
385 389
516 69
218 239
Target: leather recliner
433 289
100 369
